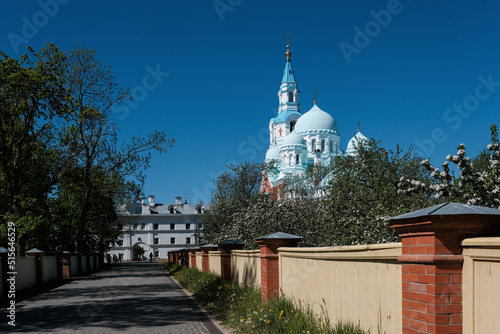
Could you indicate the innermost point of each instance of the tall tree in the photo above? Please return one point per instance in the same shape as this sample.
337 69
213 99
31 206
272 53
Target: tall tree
235 190
363 193
63 172
103 171
33 102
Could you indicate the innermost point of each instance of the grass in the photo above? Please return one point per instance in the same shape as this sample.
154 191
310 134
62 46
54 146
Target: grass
241 308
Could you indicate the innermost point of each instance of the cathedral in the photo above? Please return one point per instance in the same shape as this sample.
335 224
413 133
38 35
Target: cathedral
298 140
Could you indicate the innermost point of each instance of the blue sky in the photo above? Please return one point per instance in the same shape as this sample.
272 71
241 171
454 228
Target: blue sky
421 73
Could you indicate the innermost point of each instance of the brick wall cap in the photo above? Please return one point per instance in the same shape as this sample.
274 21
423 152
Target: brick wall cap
448 209
280 235
231 242
209 246
35 251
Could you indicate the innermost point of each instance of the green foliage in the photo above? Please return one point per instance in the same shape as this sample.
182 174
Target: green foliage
63 173
364 193
235 190
339 204
478 182
241 308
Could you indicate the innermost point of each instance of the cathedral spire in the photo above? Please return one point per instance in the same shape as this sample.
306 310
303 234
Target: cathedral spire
288 76
288 53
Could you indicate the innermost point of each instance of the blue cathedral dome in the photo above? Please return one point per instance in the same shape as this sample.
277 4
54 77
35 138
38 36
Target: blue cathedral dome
316 119
294 139
356 141
273 153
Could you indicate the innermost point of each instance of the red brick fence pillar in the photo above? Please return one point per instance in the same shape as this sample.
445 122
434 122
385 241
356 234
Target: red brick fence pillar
64 265
269 261
225 257
193 252
432 263
205 265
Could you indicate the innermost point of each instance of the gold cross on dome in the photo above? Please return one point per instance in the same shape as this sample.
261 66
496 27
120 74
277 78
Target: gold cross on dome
287 39
315 93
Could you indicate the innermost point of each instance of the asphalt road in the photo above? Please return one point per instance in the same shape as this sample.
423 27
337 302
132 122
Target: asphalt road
133 297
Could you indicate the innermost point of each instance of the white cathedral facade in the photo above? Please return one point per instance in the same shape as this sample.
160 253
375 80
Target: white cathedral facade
298 140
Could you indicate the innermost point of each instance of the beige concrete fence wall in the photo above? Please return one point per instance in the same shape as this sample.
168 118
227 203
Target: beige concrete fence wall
84 264
245 267
349 283
26 277
198 260
49 268
214 262
481 285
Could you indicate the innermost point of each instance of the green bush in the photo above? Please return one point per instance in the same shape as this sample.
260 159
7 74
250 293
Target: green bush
241 308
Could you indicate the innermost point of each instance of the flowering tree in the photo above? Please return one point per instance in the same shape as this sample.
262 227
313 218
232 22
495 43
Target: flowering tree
363 193
478 181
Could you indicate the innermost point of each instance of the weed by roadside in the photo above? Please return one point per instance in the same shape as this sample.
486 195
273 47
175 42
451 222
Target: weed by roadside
241 308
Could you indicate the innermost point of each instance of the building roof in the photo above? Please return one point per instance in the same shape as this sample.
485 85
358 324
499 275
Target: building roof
315 119
447 209
288 76
283 116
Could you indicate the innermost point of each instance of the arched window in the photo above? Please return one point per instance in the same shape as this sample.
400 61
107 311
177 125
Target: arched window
322 145
290 96
313 145
331 146
292 125
297 159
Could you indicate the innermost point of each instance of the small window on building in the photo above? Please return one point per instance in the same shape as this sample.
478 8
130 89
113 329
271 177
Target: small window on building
188 226
200 226
199 209
290 96
119 243
172 226
135 226
143 226
155 226
322 145
292 125
138 210
188 240
157 241
331 146
313 144
120 257
171 209
172 241
297 159
157 253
